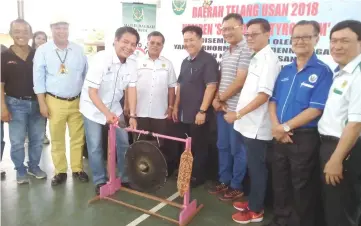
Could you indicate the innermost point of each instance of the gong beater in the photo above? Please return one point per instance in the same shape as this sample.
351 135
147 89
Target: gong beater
146 166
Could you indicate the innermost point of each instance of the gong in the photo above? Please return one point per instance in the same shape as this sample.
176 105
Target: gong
146 166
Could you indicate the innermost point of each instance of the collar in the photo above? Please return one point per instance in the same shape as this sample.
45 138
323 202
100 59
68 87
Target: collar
311 62
147 57
12 52
189 58
69 46
351 66
115 58
263 51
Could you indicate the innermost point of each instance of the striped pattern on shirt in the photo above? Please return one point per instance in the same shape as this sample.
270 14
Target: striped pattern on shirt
231 62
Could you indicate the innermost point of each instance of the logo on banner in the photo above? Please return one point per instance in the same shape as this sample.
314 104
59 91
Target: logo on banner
312 78
138 13
179 6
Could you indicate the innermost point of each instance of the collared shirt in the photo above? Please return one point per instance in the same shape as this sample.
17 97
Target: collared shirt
261 78
47 65
17 74
195 75
295 91
154 79
111 77
231 62
344 100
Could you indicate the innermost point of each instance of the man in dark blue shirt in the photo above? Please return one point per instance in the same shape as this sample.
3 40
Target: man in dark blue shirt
296 105
197 84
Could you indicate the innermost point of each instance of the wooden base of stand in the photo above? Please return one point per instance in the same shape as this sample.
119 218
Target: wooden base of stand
185 222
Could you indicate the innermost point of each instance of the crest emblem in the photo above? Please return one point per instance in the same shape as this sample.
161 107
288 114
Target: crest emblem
138 13
344 84
163 65
144 65
179 6
313 78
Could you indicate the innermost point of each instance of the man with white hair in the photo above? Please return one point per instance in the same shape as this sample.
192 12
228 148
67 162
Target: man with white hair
59 71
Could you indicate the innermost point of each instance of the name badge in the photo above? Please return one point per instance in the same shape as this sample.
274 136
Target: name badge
337 91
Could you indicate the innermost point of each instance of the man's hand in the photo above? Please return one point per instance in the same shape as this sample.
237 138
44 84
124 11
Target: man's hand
230 117
169 113
280 135
133 123
44 111
333 171
175 115
111 118
200 118
5 114
217 104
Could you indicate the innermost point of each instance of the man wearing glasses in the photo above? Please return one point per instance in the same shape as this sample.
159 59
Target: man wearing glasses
234 68
297 103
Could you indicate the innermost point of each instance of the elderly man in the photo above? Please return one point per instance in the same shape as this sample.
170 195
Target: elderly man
297 103
19 105
110 74
197 84
59 72
155 87
340 129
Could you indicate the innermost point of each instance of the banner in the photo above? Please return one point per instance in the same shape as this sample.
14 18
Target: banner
142 17
281 14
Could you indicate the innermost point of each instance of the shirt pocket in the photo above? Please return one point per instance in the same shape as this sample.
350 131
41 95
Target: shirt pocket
304 93
162 76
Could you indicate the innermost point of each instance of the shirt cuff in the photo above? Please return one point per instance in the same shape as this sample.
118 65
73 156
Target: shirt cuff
92 84
273 99
265 90
354 117
172 85
39 90
132 84
317 105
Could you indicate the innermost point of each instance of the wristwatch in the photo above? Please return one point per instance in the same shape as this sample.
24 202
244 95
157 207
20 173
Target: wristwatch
202 111
286 127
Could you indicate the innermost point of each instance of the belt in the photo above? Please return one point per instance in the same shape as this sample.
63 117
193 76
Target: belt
325 138
63 98
24 97
305 130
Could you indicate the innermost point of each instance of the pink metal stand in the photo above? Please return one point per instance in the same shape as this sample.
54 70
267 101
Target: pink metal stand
188 209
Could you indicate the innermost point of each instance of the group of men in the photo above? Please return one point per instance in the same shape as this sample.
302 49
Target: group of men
310 115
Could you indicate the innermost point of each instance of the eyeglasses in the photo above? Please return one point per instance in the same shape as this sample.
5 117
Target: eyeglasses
224 29
155 43
305 38
253 35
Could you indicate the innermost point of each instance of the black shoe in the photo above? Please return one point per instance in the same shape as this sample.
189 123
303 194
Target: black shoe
196 182
126 185
97 188
59 179
81 176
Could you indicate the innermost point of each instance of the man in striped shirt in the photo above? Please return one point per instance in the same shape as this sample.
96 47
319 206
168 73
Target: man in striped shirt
234 68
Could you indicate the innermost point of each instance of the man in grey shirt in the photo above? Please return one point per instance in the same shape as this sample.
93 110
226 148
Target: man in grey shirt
234 68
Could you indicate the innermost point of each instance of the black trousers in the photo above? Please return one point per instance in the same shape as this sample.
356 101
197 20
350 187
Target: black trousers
342 203
295 179
152 125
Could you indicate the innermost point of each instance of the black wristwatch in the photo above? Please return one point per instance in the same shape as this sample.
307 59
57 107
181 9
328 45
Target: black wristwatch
202 111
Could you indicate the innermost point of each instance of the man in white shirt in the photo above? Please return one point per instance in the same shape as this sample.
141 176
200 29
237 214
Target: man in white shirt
340 129
155 87
252 119
110 74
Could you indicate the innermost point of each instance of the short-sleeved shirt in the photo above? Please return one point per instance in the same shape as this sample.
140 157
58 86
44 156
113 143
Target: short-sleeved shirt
47 69
17 74
344 100
154 79
295 91
231 62
261 78
195 75
111 77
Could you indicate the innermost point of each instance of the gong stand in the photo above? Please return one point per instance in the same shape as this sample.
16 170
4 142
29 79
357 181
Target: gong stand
187 211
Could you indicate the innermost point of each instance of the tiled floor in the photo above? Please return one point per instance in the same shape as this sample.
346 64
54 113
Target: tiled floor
39 204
